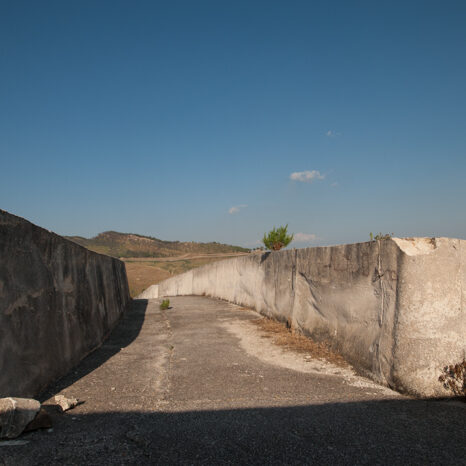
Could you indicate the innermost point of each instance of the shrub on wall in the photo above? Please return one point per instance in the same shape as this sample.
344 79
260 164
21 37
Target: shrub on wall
277 238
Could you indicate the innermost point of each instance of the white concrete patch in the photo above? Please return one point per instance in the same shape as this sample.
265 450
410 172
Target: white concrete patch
254 343
415 246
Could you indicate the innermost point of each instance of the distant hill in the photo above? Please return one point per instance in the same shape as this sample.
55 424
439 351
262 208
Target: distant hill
117 244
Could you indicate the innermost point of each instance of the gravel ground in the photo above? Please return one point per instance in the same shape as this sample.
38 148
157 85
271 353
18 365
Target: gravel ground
201 384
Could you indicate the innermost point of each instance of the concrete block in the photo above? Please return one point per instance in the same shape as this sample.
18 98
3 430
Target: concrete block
15 415
149 293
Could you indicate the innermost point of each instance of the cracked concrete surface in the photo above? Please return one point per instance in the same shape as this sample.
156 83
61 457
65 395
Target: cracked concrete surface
197 384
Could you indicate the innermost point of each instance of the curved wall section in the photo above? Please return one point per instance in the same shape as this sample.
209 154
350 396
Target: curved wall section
58 302
395 308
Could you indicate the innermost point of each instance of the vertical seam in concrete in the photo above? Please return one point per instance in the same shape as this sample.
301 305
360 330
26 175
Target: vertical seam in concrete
400 262
379 272
293 272
192 282
461 285
460 274
378 369
294 268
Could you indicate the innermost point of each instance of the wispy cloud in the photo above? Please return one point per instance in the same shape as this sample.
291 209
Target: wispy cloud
307 176
332 134
335 183
304 237
236 208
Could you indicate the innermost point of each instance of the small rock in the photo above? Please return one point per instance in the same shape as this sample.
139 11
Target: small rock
66 403
15 415
41 421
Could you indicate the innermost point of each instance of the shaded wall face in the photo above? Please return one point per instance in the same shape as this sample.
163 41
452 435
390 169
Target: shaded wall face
58 301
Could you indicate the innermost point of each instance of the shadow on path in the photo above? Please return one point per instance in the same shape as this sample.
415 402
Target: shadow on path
179 425
370 432
126 331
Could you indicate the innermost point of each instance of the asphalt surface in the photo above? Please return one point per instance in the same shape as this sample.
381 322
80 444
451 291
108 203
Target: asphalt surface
198 384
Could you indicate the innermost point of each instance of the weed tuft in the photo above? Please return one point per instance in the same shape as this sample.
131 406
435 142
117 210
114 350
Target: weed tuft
454 378
380 236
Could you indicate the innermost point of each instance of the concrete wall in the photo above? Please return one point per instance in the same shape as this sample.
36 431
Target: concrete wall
58 301
396 308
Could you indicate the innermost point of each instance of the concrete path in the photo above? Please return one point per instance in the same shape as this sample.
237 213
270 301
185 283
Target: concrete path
199 384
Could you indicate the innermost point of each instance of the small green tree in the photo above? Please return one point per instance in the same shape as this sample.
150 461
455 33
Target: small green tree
277 238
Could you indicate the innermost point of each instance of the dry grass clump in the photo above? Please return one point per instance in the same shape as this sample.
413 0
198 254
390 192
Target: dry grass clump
454 378
293 340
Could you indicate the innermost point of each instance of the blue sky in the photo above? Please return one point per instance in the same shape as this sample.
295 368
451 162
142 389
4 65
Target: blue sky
215 121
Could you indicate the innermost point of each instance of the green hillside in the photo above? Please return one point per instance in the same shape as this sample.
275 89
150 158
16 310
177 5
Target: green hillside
117 244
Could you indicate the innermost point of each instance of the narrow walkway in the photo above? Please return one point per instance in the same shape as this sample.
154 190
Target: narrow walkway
198 384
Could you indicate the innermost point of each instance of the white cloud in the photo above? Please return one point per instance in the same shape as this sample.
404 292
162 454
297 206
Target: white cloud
307 176
304 237
332 134
334 184
236 208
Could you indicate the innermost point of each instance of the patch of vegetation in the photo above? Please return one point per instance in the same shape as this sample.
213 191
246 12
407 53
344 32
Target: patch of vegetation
454 378
165 304
285 335
277 238
380 236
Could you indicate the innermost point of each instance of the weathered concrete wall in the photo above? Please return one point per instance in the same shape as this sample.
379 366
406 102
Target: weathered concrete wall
58 301
396 308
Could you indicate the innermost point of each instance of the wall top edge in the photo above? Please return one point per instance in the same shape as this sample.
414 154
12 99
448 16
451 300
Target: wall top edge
409 245
8 218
